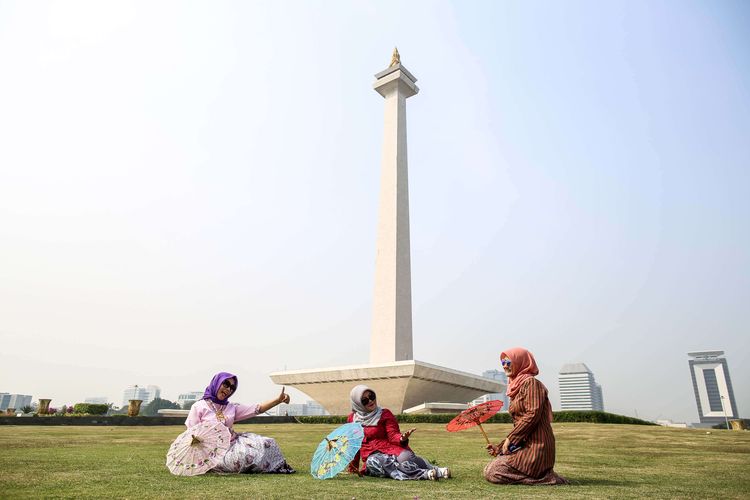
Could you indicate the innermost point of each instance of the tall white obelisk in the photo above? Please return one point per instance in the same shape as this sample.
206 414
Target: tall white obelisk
391 338
401 382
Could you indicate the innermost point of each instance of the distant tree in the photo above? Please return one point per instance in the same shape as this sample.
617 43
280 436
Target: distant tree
27 409
152 409
187 405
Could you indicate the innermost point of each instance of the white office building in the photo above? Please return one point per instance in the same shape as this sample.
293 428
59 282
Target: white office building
497 396
186 399
145 394
299 409
578 388
712 387
16 401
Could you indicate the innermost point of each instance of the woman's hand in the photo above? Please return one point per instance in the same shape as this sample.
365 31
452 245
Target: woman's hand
506 444
283 397
405 435
493 449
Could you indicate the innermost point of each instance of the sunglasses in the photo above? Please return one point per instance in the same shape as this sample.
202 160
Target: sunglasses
505 362
229 385
366 400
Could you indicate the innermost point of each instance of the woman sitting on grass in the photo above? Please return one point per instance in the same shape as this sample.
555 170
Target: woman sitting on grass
527 454
248 452
385 449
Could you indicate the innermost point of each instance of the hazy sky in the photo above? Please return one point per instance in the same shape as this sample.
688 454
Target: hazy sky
191 187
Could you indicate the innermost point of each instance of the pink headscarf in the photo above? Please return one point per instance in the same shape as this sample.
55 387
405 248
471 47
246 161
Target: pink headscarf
522 366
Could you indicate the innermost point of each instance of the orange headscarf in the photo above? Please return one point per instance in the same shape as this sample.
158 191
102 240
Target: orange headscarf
522 365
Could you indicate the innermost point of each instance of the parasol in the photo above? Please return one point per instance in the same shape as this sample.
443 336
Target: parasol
336 451
198 449
474 416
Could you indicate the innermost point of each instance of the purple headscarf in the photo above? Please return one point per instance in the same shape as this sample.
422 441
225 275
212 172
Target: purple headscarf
212 390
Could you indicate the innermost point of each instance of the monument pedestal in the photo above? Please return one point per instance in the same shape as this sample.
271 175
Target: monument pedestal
399 385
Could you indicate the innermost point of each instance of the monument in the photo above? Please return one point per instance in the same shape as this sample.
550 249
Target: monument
400 381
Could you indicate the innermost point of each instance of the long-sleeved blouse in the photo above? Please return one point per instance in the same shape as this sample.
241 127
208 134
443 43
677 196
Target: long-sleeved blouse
384 437
202 411
530 410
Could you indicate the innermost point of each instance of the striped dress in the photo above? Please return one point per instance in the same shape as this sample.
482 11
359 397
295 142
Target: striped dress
533 463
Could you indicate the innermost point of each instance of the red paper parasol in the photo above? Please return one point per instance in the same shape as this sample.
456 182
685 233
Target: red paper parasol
474 416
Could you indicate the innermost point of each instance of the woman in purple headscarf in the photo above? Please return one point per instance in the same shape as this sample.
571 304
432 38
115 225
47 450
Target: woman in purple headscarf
248 452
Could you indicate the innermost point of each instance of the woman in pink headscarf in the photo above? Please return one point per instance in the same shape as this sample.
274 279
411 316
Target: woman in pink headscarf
527 454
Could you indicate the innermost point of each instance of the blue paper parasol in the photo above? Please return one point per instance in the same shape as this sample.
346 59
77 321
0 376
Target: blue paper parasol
336 451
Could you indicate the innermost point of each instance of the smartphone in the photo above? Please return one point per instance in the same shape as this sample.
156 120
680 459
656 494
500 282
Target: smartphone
514 448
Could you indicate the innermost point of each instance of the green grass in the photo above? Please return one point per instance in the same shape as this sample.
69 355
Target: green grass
601 460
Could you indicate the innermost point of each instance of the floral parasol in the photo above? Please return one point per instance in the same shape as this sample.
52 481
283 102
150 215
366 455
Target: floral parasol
198 449
336 451
475 416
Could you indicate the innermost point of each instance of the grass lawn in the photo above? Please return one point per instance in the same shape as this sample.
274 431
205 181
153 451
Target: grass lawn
601 460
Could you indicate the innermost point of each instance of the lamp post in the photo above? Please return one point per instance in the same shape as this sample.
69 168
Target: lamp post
724 408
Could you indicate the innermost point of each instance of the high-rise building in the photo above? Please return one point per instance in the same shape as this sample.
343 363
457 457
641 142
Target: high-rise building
152 392
497 396
186 399
145 394
578 388
298 409
712 387
16 401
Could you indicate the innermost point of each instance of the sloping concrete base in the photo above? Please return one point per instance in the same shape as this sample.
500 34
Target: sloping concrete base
436 409
398 385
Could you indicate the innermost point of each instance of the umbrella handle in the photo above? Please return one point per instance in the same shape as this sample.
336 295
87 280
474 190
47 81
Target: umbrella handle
484 433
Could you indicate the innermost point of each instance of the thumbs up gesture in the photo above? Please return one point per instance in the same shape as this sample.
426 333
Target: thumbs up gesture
284 397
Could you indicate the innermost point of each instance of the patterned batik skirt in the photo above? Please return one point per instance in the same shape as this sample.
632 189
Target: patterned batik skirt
382 465
251 453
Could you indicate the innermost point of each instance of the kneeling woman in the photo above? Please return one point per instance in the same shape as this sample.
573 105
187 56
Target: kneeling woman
248 452
527 454
385 449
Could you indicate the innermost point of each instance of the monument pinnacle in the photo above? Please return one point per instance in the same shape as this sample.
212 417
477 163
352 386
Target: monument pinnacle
395 58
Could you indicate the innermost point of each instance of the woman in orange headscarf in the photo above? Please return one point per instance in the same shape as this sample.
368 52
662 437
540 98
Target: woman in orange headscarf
527 454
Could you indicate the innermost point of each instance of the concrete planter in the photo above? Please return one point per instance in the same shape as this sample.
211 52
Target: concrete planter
738 425
44 406
134 407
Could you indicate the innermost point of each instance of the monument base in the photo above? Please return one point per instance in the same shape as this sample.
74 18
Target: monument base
398 385
436 409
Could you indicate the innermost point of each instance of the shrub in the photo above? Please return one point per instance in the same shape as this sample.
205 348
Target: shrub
321 419
597 417
594 417
90 409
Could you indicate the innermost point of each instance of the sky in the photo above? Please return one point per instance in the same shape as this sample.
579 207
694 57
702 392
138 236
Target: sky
192 187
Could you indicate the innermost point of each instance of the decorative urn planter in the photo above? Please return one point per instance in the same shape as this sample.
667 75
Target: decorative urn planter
44 406
134 407
10 411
